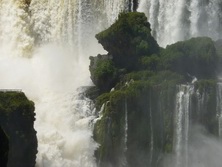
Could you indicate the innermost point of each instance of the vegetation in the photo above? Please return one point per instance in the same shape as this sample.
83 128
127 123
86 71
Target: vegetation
128 39
145 79
196 57
103 73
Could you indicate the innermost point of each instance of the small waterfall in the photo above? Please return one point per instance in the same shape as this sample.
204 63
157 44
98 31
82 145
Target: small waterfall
125 135
126 126
151 130
219 108
182 124
176 20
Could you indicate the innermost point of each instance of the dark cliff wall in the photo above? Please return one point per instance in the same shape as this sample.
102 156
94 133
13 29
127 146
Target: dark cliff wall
17 131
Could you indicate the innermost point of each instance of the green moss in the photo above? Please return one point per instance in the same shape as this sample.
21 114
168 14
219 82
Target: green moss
11 101
146 80
104 74
128 39
16 120
101 100
138 75
104 69
140 101
150 63
196 57
205 86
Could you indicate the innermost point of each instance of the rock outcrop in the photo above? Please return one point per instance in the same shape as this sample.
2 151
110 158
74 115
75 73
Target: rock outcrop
137 124
18 137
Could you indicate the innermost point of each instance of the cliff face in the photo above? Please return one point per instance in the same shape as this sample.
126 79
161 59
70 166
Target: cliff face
19 147
158 94
138 128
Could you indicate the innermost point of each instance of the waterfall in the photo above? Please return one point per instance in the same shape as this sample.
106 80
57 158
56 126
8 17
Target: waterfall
15 32
126 126
182 124
219 108
113 8
177 20
57 36
124 159
151 130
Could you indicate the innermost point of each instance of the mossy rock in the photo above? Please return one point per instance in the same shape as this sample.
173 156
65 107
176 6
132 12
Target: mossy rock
128 39
196 57
103 72
16 121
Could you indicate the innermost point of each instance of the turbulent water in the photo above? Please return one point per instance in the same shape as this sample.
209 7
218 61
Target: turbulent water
176 20
44 50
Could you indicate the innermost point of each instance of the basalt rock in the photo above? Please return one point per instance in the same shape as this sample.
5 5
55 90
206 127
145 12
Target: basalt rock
18 147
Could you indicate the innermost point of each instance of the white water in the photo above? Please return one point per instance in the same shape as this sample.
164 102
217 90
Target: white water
125 135
113 8
151 131
58 38
176 20
219 108
182 125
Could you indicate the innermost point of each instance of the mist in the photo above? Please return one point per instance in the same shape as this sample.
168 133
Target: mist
51 78
204 150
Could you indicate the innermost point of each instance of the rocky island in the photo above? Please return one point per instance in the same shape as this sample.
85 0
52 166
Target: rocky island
147 93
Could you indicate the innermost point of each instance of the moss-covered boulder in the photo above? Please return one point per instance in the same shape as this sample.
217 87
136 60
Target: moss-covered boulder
128 39
16 123
196 57
103 72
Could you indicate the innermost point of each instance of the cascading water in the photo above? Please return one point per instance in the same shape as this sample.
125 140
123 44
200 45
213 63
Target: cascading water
151 131
182 124
15 32
177 20
113 8
58 37
125 134
219 108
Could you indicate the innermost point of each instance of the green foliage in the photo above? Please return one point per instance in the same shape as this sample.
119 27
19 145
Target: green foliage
205 85
139 83
101 100
12 101
16 120
104 74
138 75
147 86
150 62
196 57
104 69
128 39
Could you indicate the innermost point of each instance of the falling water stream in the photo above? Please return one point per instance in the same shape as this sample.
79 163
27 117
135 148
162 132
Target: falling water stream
219 108
44 50
182 124
176 20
